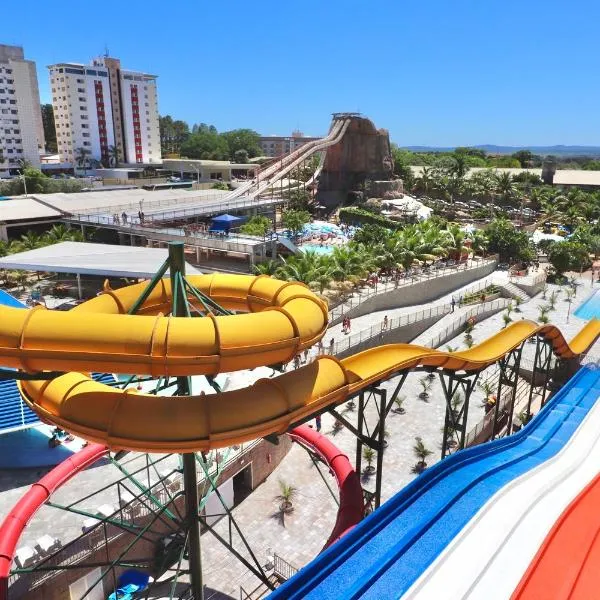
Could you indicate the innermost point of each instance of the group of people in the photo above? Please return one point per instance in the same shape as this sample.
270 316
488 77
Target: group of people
118 220
346 325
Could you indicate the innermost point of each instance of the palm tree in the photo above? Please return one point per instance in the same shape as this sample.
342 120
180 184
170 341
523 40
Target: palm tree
62 233
421 453
479 242
82 158
268 267
459 168
456 241
113 156
369 456
425 384
505 186
399 402
287 493
31 241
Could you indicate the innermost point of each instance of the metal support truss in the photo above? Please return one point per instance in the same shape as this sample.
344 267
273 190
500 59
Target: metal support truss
542 367
457 393
371 435
508 378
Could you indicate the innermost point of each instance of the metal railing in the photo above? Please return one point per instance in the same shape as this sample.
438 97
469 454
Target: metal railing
377 331
458 323
530 279
103 215
382 288
283 569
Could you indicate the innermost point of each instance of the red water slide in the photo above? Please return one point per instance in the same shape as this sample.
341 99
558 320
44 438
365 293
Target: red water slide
351 510
567 566
15 522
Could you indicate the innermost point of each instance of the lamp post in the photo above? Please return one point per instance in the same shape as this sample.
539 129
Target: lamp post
24 183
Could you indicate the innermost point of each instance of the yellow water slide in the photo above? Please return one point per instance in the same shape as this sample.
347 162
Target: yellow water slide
279 320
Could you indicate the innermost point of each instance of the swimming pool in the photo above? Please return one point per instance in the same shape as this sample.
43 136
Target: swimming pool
589 308
316 248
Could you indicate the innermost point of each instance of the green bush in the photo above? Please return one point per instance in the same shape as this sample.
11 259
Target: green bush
359 216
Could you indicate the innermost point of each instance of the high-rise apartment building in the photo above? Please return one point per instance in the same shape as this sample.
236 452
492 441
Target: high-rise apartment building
101 106
21 129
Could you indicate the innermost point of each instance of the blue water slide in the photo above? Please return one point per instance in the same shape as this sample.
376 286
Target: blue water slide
384 555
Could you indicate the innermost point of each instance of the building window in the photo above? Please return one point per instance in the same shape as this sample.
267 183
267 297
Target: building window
87 144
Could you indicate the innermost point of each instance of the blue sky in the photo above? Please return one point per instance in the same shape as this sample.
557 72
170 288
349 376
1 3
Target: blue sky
433 72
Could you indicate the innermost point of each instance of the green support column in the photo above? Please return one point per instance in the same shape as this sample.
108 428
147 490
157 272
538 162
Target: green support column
179 295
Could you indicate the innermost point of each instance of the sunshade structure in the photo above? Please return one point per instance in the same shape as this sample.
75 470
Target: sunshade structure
81 258
224 222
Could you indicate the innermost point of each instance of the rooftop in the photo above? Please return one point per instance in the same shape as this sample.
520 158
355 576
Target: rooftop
91 259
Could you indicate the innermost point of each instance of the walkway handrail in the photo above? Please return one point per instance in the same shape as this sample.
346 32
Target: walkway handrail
376 331
461 320
346 306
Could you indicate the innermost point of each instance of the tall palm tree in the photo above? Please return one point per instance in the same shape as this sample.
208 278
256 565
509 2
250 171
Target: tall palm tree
505 187
82 158
459 168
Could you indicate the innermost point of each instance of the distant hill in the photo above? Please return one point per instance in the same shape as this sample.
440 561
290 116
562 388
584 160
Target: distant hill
541 150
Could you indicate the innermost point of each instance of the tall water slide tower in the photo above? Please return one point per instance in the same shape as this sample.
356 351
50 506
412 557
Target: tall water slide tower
362 154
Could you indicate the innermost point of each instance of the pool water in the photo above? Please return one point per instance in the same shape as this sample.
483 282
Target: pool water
589 308
316 248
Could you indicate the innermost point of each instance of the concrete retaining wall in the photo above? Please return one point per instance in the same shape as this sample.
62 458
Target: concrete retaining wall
418 293
398 335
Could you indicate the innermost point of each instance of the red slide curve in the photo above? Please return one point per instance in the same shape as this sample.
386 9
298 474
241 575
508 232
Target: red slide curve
567 566
14 523
351 510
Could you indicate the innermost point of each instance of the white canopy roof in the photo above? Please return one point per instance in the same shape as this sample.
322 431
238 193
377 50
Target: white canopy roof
20 209
91 259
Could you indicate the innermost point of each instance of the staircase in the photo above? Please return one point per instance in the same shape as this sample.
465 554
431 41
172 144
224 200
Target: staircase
513 290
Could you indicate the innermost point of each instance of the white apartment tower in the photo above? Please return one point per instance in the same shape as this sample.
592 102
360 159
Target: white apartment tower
99 106
21 129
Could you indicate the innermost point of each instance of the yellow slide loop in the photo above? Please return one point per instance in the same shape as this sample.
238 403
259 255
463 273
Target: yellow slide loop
280 319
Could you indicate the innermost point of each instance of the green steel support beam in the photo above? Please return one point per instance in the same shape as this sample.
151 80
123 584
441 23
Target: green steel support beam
190 478
153 283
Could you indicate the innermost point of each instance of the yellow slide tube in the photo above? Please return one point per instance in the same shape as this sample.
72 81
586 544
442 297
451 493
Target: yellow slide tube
124 419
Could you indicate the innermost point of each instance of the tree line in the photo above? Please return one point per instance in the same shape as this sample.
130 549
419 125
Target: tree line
203 141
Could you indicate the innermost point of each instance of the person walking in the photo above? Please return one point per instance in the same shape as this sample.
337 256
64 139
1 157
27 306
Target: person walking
124 217
331 345
306 356
297 361
453 303
385 323
318 422
348 325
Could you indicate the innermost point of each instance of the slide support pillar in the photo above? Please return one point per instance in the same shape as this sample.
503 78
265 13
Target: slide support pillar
509 376
456 388
190 478
541 368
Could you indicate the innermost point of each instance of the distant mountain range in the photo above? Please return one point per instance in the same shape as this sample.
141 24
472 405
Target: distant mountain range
541 150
